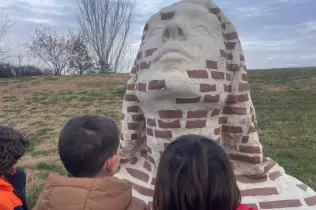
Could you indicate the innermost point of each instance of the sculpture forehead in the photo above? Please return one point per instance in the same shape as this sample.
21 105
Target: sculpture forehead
183 8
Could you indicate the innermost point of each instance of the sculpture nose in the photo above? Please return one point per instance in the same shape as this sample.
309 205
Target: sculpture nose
173 31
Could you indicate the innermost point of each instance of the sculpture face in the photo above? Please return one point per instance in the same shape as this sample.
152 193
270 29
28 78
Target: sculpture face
186 39
179 38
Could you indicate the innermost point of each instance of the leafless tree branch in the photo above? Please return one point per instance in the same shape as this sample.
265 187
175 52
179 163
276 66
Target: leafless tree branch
5 25
105 25
53 50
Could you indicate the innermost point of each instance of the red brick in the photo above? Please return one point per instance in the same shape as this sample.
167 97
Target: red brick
157 84
269 166
231 36
196 124
247 180
150 132
149 149
242 58
215 112
143 191
227 88
149 52
245 158
303 187
217 131
130 87
222 120
153 181
231 99
147 166
230 45
252 129
215 11
211 64
133 109
122 116
146 27
280 204
134 161
130 97
245 139
141 87
151 122
144 65
134 136
231 129
244 77
259 192
249 149
135 69
207 88
252 205
232 67
138 174
224 54
243 86
311 201
188 100
197 114
132 126
218 75
167 15
211 99
138 117
139 55
234 110
163 134
173 124
197 74
275 175
167 114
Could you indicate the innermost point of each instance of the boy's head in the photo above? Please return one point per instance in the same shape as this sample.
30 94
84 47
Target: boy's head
88 146
13 145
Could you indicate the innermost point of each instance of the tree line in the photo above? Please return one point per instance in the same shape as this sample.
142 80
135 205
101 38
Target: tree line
99 46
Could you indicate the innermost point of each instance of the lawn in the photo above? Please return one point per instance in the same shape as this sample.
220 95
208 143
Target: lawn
284 101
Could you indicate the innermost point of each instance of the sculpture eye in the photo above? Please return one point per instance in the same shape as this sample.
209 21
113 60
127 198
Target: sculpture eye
202 29
157 32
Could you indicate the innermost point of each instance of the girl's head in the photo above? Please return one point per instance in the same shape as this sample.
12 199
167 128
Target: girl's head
195 173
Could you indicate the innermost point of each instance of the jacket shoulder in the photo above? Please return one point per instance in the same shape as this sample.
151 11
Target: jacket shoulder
137 204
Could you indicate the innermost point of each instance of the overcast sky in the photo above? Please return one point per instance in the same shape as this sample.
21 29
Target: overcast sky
274 33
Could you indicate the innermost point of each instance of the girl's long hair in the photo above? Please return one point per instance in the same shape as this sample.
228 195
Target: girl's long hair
194 173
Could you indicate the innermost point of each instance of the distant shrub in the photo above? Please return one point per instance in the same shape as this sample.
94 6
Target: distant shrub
6 70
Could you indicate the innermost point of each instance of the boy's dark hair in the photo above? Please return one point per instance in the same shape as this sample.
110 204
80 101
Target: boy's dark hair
195 173
13 145
86 142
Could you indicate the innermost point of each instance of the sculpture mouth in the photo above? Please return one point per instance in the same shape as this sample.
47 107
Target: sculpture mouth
174 53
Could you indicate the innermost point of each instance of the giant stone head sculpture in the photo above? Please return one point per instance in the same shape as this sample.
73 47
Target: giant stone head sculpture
189 77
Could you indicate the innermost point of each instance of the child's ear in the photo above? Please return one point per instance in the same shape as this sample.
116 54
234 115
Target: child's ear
111 163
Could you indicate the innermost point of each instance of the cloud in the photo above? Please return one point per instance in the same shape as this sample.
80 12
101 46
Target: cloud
274 33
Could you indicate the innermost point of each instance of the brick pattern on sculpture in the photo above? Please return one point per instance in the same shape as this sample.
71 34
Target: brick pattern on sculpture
199 87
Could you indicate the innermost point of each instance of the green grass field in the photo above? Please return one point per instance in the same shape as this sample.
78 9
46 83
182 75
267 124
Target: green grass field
284 102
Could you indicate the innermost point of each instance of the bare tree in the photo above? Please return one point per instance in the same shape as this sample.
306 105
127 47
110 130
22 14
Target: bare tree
80 61
5 25
53 50
105 25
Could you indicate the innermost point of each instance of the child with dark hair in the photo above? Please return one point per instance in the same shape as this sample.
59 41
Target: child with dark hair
13 145
88 148
195 173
